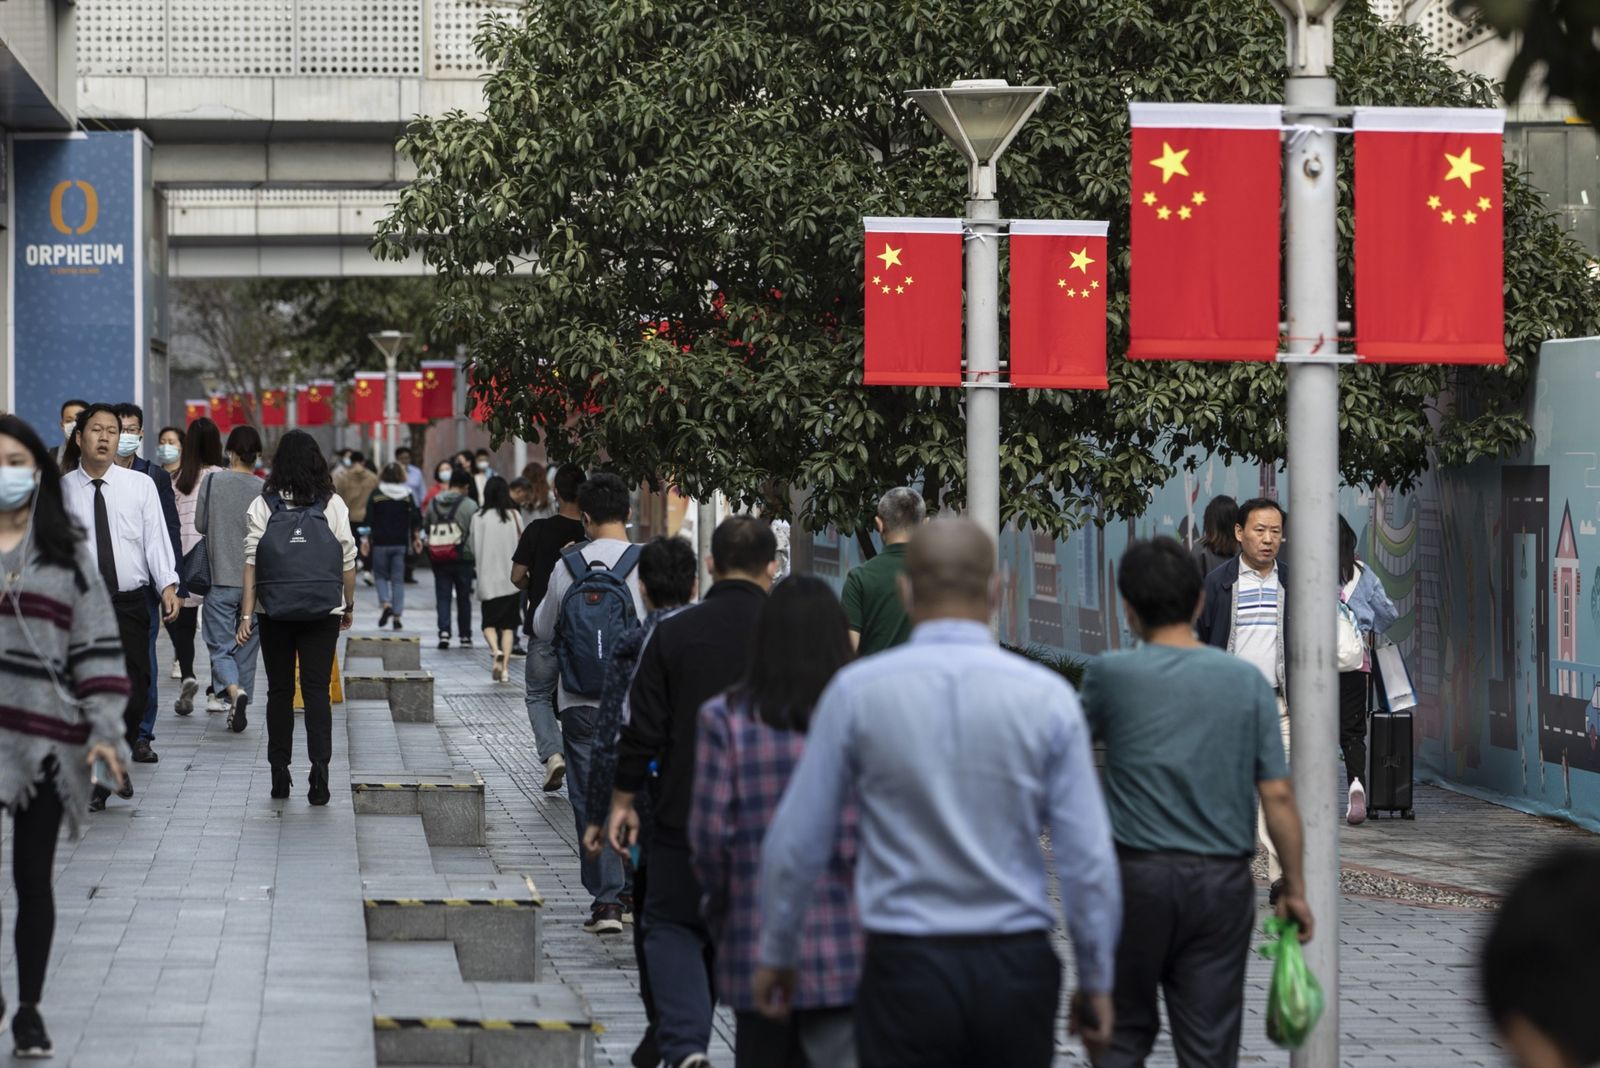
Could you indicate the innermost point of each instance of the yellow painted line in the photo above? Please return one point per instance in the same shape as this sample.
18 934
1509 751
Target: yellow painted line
451 902
443 1023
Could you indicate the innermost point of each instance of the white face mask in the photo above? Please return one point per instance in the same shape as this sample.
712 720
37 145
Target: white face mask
168 454
483 465
443 475
16 486
128 443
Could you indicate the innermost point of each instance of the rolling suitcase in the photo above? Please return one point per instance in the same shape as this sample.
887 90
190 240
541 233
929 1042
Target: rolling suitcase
1389 763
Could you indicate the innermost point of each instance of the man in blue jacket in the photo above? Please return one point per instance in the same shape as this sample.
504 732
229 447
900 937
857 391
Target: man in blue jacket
1244 615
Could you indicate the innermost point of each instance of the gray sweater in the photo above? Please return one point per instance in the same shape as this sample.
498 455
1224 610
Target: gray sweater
219 514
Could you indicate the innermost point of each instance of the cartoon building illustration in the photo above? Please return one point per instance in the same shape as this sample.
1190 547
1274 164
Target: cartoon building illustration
1568 585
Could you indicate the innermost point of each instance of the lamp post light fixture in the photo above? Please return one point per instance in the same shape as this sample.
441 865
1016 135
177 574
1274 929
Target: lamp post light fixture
982 117
388 342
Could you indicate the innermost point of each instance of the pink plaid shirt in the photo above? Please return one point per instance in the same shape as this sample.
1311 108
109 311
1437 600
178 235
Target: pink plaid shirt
741 768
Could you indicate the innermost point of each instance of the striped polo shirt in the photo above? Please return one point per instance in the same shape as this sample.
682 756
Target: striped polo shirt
1255 619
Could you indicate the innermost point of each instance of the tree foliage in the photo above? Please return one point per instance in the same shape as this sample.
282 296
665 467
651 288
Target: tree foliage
707 165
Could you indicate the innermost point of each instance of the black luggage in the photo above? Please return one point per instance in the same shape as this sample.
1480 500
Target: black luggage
1389 764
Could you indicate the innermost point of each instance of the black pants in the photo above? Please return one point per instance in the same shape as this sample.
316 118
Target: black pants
181 631
1187 935
33 856
133 631
1353 723
677 948
931 1002
313 642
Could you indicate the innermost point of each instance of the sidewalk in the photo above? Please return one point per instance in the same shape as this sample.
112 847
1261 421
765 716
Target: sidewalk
204 924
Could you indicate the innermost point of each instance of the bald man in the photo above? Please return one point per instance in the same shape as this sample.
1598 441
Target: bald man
950 879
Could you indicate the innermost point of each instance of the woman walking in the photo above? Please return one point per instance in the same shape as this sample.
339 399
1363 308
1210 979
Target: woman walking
201 458
219 515
395 528
750 739
495 533
169 450
541 499
67 686
1218 542
449 523
300 563
1374 613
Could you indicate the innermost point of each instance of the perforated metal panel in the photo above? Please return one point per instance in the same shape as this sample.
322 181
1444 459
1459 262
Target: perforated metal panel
122 37
230 38
1448 33
360 37
455 23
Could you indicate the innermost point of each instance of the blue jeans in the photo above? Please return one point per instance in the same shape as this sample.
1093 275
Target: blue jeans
389 572
232 664
147 728
540 677
602 876
456 577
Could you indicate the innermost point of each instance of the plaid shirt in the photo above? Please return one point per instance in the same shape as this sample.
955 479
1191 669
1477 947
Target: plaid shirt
741 769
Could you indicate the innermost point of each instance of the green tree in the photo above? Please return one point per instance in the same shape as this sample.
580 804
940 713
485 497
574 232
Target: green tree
707 166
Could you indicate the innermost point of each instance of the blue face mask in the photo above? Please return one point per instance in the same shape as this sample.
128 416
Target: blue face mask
128 444
16 487
168 454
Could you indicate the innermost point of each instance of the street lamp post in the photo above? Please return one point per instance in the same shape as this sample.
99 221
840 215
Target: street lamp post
388 342
1310 195
982 117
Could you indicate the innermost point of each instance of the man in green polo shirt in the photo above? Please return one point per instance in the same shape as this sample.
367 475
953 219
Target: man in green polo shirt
878 620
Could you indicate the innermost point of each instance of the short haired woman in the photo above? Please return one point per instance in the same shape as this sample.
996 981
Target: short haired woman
394 527
200 458
219 515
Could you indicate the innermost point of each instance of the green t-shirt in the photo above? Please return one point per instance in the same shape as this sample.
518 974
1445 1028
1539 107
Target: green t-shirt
872 601
1188 734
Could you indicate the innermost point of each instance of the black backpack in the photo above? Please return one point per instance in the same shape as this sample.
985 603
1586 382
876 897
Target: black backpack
299 563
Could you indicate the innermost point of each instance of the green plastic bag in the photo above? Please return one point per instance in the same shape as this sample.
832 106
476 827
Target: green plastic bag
1294 1000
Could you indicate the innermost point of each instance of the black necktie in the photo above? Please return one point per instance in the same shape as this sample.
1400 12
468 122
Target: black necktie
103 548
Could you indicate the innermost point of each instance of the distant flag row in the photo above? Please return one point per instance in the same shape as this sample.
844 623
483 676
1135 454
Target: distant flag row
1206 243
424 395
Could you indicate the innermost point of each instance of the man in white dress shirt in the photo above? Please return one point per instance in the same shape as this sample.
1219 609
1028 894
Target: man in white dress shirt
119 510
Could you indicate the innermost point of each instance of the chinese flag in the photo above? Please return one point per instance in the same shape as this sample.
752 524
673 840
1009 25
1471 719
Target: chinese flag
222 413
315 407
412 393
1058 305
913 302
274 408
239 408
196 409
1206 191
1429 232
366 398
439 384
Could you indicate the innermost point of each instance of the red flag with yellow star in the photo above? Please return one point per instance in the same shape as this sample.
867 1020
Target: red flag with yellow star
196 409
367 398
274 408
1429 235
439 385
413 392
1207 182
913 302
314 404
221 412
1058 305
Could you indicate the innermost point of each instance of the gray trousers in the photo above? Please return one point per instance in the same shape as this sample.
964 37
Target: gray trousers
1186 934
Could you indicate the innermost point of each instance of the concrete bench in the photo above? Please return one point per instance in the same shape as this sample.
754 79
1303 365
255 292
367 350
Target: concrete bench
451 806
493 922
409 693
377 741
399 652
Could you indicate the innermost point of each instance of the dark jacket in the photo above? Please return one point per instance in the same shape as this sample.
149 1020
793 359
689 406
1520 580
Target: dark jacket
393 521
692 656
169 509
1215 625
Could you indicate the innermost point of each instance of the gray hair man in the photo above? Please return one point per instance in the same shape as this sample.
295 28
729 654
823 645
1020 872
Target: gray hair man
872 605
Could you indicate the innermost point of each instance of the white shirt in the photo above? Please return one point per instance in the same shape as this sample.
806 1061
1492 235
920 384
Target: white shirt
336 511
1255 608
139 541
602 550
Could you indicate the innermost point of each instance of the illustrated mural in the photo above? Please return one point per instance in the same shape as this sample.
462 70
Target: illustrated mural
1505 712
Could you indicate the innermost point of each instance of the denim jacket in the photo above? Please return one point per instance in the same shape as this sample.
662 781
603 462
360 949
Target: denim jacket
1370 603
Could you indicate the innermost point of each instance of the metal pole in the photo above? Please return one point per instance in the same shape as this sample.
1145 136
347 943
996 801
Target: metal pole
519 457
983 360
461 397
705 522
1310 181
391 409
291 404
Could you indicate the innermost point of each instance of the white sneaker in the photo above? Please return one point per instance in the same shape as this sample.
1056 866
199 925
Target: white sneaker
1356 811
177 672
555 769
218 702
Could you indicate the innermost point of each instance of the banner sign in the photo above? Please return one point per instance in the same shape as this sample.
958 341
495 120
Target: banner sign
1058 304
76 216
913 302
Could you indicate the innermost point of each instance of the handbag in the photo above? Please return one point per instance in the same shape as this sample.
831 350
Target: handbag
1351 655
1396 693
194 570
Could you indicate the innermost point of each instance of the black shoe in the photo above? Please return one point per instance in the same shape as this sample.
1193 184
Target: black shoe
647 1054
466 643
317 794
32 1040
97 798
383 617
237 719
281 782
125 789
444 639
517 650
1275 892
143 754
396 622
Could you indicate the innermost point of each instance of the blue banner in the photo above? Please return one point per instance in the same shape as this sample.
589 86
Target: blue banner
78 319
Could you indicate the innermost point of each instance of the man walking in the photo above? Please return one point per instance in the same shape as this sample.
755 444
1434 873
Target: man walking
1244 614
538 552
603 501
692 656
951 882
121 512
130 417
878 620
1183 826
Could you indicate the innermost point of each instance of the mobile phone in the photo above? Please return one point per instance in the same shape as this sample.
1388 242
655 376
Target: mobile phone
633 854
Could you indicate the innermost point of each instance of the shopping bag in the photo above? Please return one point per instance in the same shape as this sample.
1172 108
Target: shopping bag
335 686
1294 1000
1396 693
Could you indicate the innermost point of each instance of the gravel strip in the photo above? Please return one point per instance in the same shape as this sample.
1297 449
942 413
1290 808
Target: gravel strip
1363 882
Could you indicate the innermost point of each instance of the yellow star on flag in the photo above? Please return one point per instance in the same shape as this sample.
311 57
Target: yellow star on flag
909 279
890 256
1171 162
1484 204
899 289
1198 198
1081 260
1184 212
886 289
1094 285
1163 212
1149 198
1462 167
1448 216
1469 217
1060 282
877 280
1433 202
1083 292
